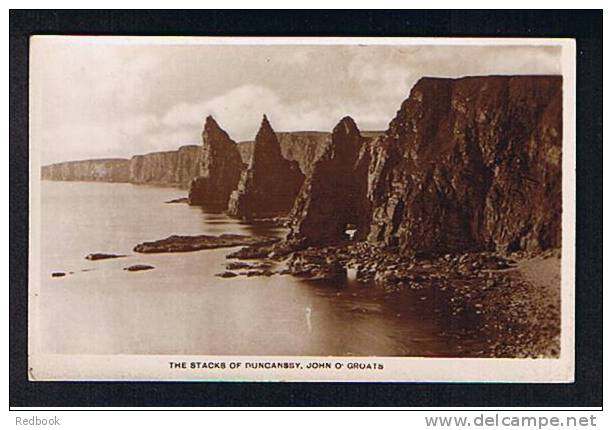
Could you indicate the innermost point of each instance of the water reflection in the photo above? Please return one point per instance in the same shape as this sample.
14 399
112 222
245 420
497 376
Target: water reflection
181 307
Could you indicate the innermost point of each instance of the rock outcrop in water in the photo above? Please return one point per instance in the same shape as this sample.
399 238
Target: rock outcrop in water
334 195
220 166
177 243
174 168
471 164
270 184
101 170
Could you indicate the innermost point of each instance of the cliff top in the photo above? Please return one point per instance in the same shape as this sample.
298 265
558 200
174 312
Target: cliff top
485 77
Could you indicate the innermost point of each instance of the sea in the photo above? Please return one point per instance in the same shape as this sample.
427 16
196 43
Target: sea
181 307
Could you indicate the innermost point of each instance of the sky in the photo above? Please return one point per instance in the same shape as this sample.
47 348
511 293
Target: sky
97 97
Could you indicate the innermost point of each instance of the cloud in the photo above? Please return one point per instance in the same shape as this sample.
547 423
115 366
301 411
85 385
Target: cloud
107 100
133 135
240 110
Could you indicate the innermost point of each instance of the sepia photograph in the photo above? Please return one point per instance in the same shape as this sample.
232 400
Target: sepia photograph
301 209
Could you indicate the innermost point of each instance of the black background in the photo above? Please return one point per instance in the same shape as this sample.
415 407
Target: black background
585 26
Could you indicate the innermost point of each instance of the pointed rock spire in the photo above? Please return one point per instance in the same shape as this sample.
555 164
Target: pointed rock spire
220 166
212 133
346 126
332 198
266 145
270 184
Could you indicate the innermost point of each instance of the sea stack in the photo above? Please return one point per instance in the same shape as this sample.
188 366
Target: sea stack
333 197
270 184
471 164
220 166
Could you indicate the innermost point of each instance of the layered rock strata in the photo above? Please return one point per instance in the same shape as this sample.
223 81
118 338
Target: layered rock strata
270 184
175 168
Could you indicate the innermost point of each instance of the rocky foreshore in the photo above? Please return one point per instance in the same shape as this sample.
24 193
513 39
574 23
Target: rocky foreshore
514 299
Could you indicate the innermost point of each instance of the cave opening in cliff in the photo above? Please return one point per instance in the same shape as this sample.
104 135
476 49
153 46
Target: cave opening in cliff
351 231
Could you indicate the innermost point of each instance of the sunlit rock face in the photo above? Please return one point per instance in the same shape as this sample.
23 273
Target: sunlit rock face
269 185
100 170
175 168
333 197
471 163
219 168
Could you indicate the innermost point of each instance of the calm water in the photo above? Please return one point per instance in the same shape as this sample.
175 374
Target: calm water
180 307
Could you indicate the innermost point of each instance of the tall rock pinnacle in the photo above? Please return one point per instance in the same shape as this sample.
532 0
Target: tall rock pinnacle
334 196
270 184
219 168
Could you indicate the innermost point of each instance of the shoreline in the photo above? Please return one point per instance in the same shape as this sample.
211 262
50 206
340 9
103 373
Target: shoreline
513 299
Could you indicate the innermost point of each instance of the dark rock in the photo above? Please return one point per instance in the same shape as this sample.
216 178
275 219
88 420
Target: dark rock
178 200
194 243
305 147
226 275
314 265
102 256
270 184
58 274
283 248
219 168
138 267
333 198
237 265
471 164
252 273
251 252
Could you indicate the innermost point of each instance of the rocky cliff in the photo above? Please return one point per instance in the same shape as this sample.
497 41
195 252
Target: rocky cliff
101 170
178 168
270 184
175 168
219 168
470 164
305 147
333 197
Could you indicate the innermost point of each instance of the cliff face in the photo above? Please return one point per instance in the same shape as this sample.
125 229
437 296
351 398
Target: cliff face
101 170
333 196
175 168
270 184
305 147
469 164
219 168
